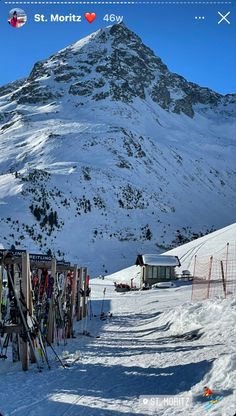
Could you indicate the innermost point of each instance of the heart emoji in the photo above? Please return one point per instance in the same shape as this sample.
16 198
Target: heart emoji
90 17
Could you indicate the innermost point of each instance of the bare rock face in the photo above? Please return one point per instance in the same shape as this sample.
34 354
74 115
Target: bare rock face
113 64
105 153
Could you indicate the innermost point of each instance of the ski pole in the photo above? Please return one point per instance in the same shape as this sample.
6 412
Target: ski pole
90 308
55 353
104 292
86 320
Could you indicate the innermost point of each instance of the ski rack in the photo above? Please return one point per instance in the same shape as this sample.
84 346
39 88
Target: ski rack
21 262
40 261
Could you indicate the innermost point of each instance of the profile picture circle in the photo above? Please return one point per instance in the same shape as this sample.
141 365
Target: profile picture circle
17 18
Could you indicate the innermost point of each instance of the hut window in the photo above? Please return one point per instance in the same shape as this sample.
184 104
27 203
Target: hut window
158 272
149 272
162 272
154 272
168 275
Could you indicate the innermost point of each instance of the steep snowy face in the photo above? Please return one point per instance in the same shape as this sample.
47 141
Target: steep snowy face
114 64
104 150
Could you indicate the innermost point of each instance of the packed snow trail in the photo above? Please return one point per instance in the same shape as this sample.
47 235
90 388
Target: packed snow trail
141 350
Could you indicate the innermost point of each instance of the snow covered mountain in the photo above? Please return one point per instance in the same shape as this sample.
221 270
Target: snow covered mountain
105 153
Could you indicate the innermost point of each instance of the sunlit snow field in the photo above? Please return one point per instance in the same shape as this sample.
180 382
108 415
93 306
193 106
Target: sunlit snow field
145 348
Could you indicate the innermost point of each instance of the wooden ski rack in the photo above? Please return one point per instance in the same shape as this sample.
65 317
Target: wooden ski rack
20 263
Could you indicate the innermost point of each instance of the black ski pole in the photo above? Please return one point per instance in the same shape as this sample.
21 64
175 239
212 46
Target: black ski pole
90 308
56 355
104 292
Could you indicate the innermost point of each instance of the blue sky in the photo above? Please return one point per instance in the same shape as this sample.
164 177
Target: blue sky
202 51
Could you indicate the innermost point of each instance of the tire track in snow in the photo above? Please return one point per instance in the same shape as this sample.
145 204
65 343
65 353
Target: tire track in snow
197 247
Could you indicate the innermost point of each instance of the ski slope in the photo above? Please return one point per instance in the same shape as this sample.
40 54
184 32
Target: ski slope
155 343
213 244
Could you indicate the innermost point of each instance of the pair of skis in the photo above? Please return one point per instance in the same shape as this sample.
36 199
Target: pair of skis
28 335
43 340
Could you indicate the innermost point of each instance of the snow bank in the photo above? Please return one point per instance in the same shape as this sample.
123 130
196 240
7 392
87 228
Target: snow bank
214 317
214 320
223 373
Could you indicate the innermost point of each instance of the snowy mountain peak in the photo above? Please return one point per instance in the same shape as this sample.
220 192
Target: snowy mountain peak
104 150
113 64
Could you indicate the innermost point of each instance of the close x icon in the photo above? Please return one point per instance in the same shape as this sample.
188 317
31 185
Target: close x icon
224 18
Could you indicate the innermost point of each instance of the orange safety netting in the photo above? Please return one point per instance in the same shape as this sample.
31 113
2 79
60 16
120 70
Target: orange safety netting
216 275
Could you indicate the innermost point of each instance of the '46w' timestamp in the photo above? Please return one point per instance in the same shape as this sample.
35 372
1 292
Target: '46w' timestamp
113 18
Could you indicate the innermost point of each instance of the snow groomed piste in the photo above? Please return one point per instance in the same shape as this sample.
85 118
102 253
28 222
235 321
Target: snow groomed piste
155 343
129 349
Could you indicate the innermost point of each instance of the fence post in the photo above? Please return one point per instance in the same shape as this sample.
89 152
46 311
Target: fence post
84 300
79 287
194 271
223 277
209 277
226 262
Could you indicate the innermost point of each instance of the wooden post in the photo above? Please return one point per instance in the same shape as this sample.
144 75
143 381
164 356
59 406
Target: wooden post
85 291
223 277
83 298
226 263
50 331
24 350
84 301
79 287
74 289
1 288
209 276
73 297
30 299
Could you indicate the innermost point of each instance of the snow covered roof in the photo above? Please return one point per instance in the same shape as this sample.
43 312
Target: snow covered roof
157 260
